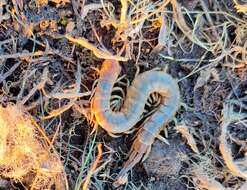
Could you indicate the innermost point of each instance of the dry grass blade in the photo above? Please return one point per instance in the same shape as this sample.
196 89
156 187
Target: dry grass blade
9 72
124 9
180 20
93 168
91 7
71 95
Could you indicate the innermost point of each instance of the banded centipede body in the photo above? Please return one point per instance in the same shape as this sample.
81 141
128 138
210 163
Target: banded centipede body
130 113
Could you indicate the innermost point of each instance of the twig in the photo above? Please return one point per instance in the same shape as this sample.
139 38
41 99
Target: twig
25 55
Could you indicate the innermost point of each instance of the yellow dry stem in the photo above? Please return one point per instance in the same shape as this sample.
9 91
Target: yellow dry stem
124 10
24 156
60 110
98 53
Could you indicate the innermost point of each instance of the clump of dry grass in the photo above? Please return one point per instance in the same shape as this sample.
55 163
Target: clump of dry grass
25 153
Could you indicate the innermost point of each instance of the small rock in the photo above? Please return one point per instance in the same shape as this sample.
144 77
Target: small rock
164 160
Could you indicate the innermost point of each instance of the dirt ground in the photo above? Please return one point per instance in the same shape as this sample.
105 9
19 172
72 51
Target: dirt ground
201 43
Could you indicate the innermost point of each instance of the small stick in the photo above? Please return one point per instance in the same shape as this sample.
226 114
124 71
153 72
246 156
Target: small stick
24 55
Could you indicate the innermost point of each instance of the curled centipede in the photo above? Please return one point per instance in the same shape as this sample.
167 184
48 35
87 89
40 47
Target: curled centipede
124 120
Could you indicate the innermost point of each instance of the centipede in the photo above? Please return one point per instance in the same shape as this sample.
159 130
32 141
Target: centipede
122 121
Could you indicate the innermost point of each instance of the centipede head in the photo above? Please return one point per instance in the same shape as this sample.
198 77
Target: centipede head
139 151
